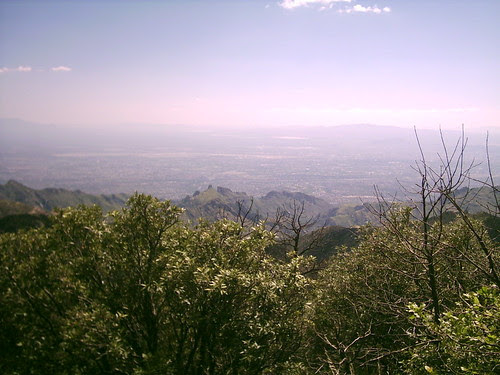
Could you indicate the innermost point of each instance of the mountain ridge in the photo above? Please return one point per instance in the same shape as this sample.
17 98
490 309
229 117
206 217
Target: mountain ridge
50 198
215 203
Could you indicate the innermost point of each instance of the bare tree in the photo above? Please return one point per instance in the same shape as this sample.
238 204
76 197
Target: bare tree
417 255
297 232
244 214
431 200
461 176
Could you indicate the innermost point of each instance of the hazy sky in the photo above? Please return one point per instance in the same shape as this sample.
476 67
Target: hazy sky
252 63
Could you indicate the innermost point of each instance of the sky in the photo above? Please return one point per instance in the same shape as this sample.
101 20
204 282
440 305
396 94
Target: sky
245 63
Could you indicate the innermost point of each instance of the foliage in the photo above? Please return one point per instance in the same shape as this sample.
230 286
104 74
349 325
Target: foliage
13 223
361 320
359 317
466 341
137 291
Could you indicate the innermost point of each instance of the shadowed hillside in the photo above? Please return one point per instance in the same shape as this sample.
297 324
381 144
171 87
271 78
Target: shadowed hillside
50 198
215 203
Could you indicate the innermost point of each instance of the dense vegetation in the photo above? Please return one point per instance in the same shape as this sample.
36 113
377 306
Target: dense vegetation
138 291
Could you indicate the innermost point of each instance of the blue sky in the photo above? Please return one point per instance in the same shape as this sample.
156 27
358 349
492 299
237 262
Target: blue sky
252 63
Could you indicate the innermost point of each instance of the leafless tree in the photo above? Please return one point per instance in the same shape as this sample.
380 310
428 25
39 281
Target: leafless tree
297 232
244 214
431 199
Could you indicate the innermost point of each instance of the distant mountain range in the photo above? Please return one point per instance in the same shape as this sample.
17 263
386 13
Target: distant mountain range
211 204
51 198
216 203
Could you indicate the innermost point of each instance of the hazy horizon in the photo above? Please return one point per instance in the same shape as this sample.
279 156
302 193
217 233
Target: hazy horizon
141 127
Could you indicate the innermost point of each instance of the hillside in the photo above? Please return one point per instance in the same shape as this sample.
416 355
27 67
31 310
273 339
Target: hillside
322 243
16 215
9 207
477 200
215 203
51 198
211 204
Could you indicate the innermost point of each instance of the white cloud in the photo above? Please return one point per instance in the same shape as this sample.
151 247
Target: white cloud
23 69
61 68
362 9
291 4
20 68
